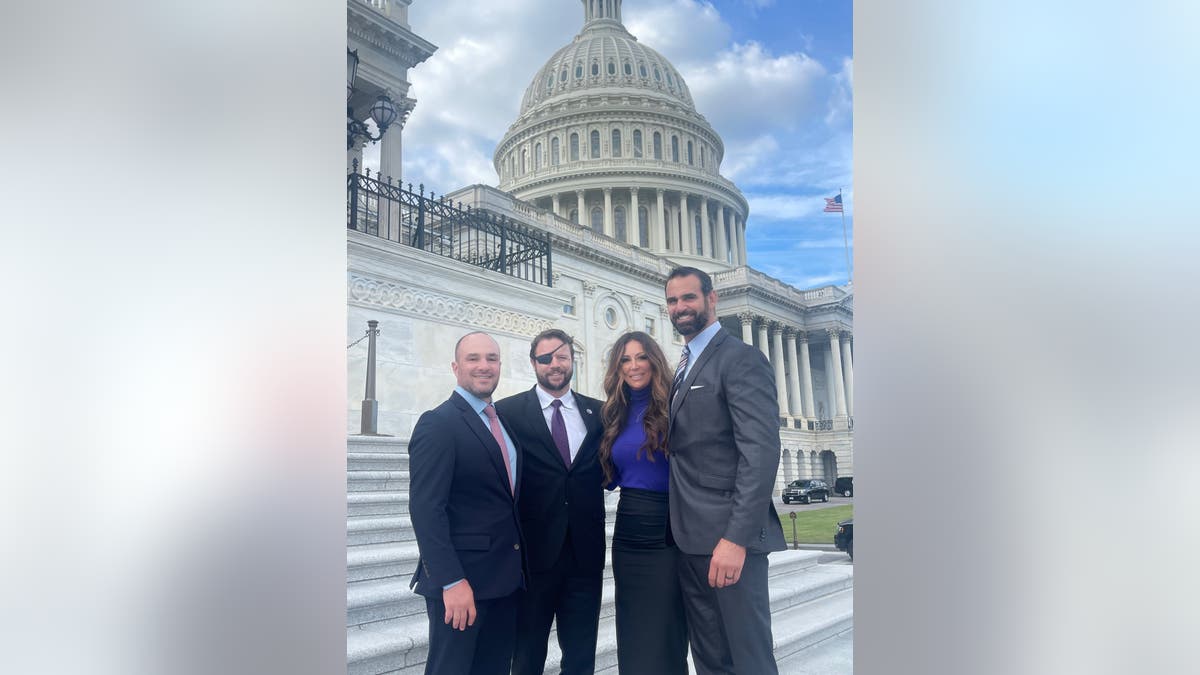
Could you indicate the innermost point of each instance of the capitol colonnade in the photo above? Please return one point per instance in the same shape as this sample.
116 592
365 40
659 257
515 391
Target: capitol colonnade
791 351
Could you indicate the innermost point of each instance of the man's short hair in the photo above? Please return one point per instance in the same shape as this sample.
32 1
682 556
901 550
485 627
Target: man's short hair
705 280
460 340
556 334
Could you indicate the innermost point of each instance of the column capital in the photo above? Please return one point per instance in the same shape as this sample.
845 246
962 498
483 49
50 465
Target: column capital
607 190
802 335
789 332
660 192
746 318
633 189
776 327
834 333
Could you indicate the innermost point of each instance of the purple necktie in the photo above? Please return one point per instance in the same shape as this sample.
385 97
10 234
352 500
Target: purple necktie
558 429
680 369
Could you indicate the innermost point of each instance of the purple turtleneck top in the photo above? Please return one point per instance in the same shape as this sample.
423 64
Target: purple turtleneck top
633 471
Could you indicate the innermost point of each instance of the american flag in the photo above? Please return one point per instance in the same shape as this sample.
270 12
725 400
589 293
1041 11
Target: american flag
833 204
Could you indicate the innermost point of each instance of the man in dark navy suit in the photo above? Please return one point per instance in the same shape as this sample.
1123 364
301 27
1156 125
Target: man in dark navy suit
561 507
464 482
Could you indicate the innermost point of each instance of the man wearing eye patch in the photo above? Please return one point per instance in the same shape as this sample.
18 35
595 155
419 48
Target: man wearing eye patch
561 508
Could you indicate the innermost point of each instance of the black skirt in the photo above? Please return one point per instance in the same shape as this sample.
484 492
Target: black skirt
651 626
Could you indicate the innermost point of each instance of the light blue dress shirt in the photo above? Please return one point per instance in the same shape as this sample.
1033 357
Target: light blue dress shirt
697 345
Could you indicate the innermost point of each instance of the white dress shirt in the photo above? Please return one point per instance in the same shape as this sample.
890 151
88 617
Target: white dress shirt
576 429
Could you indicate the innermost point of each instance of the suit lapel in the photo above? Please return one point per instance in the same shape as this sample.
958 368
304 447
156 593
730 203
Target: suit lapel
591 421
484 434
707 355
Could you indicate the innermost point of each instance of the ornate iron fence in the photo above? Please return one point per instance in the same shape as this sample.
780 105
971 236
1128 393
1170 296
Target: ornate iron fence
489 241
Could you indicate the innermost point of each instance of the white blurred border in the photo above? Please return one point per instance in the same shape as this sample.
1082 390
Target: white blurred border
174 352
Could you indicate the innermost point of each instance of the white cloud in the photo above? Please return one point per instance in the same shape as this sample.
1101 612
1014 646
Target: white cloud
684 31
745 89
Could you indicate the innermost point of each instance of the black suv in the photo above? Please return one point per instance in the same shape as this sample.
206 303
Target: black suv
806 491
844 486
844 538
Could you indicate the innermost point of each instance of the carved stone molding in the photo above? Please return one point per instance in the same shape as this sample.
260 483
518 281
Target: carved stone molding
834 333
444 307
746 318
802 336
789 333
589 289
636 303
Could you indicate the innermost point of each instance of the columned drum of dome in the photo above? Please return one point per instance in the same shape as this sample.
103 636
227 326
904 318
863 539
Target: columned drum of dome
630 129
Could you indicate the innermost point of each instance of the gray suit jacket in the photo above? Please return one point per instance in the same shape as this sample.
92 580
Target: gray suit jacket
724 445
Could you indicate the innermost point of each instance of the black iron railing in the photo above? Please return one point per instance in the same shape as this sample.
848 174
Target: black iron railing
391 212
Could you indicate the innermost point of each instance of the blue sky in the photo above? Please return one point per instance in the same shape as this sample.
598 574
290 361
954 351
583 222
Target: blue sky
773 77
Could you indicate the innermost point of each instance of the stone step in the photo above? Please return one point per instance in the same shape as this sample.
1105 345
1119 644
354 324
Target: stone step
378 530
376 503
388 646
810 604
380 600
376 461
375 481
835 655
810 623
380 561
390 444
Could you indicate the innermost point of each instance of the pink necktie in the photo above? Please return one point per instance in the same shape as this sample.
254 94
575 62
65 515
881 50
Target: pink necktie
497 434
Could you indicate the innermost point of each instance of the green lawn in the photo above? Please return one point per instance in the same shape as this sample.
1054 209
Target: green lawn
816 526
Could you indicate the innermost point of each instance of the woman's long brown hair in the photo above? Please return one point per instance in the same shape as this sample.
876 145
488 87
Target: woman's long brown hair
616 405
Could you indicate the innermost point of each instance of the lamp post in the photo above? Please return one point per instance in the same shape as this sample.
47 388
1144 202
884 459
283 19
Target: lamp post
383 110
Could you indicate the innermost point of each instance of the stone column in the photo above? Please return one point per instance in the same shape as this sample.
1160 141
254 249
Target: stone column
795 403
848 374
762 339
705 237
633 231
777 361
839 392
722 245
734 244
556 205
806 388
609 228
830 406
658 229
747 327
686 225
581 209
741 229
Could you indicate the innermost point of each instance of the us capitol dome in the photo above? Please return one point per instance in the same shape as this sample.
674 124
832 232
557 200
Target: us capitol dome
608 136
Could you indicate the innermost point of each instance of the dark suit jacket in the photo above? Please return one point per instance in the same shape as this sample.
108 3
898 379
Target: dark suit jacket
724 444
554 499
462 510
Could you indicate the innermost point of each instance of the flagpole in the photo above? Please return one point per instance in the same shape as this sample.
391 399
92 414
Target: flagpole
845 240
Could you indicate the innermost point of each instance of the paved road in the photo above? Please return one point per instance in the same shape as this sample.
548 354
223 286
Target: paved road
834 500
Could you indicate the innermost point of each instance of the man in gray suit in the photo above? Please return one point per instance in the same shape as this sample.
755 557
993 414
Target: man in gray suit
724 445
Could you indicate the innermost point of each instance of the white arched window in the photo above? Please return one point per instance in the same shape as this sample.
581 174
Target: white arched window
595 144
674 148
574 147
554 151
657 145
537 156
616 142
637 142
619 223
643 227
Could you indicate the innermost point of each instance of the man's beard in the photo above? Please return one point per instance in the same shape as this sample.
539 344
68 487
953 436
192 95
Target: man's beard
544 380
688 326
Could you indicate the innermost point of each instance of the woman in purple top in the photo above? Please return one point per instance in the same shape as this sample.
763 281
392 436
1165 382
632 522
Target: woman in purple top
651 627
